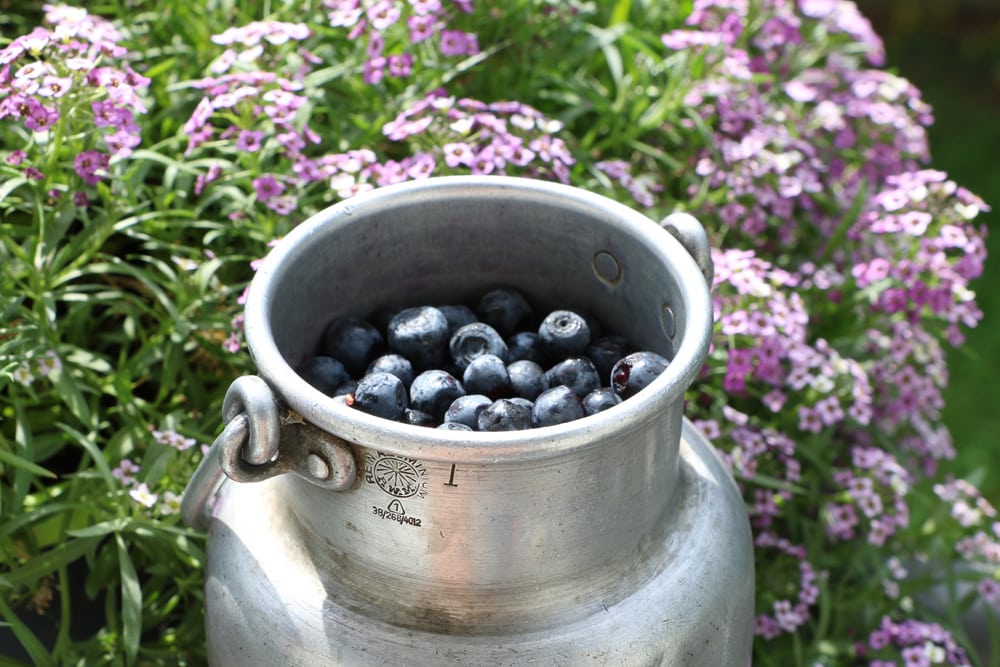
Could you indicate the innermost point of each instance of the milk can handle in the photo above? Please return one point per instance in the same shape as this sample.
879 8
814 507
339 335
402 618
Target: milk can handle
260 440
685 228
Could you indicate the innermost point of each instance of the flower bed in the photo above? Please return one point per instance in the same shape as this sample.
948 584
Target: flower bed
149 159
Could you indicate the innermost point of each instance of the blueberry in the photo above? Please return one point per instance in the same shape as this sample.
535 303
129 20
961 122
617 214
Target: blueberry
396 364
346 388
417 418
563 334
528 405
503 309
421 335
324 373
433 391
605 353
475 340
455 426
457 316
354 342
577 373
380 394
504 415
487 374
600 400
557 405
525 345
636 371
527 379
466 409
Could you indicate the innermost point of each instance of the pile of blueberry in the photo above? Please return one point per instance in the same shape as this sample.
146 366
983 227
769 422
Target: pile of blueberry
492 368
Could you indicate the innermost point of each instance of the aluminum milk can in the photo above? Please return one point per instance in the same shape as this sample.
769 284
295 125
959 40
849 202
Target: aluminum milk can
339 538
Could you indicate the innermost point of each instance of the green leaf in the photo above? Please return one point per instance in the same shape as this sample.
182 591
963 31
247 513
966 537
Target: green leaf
25 464
621 12
131 601
50 561
10 185
29 642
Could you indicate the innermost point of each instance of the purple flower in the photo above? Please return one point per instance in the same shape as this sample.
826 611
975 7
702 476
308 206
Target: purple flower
91 166
249 140
400 65
267 187
421 27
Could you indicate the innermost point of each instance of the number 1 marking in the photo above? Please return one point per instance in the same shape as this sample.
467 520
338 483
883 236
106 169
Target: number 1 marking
451 477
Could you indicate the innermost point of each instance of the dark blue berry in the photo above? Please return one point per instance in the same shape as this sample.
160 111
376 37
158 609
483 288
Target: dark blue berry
346 388
605 353
433 391
635 372
577 373
600 400
380 394
504 415
393 363
563 334
455 426
466 409
475 340
525 345
503 309
417 418
527 379
458 316
354 342
528 405
487 375
324 373
421 335
557 405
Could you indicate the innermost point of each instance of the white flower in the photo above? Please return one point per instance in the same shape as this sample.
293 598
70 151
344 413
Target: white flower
142 495
170 503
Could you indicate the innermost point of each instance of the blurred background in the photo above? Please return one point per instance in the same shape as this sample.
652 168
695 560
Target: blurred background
950 49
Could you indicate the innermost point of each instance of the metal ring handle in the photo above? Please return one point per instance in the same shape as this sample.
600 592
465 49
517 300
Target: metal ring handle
208 477
692 235
251 396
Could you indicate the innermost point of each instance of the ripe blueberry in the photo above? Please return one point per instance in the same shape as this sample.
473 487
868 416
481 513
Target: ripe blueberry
393 363
600 400
466 409
380 394
605 353
503 309
577 373
458 316
525 345
527 379
487 374
557 405
417 418
433 391
504 415
563 334
421 335
475 340
354 342
635 372
324 373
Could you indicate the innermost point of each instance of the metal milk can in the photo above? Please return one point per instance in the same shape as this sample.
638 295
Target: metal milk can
339 538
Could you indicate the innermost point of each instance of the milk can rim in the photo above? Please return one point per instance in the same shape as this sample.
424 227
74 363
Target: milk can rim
334 416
